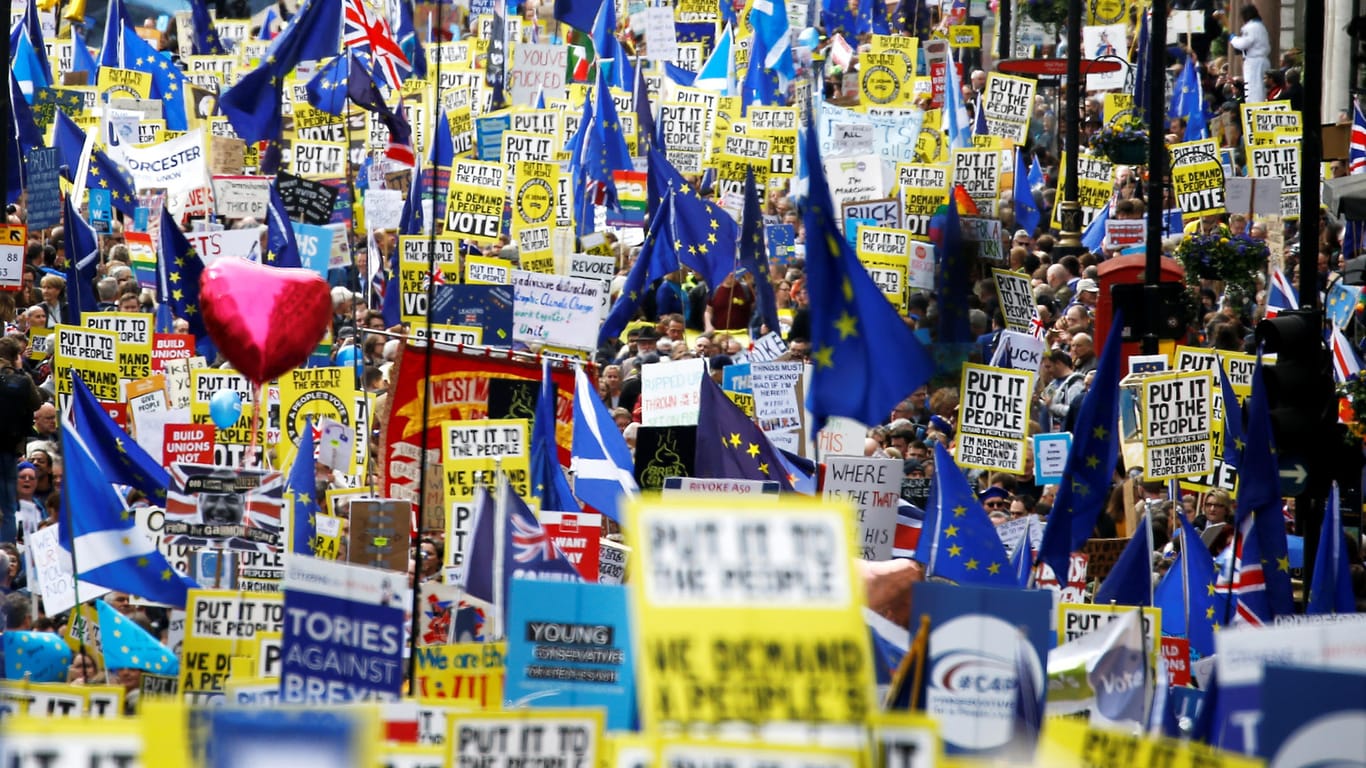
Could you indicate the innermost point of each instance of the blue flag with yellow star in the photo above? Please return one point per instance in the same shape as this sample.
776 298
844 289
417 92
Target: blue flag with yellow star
126 645
657 258
253 105
753 255
1090 464
703 235
83 257
1130 581
42 657
1342 303
178 272
1191 605
124 49
122 459
958 541
952 278
103 172
548 482
108 549
866 358
205 41
729 445
1233 420
302 486
282 249
1259 496
603 151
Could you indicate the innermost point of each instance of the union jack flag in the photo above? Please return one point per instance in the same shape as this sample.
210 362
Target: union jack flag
530 541
263 507
1346 363
1282 295
1356 151
370 33
1250 602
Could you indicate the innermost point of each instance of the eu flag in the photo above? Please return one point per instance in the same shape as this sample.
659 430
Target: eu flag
1233 421
703 234
108 549
122 459
253 105
1130 581
282 250
1330 591
126 645
123 48
1191 605
83 255
761 85
1259 497
958 541
1186 95
38 657
729 445
205 40
952 280
178 271
657 258
856 333
102 172
577 13
548 482
604 151
1026 212
351 76
302 486
1090 464
753 255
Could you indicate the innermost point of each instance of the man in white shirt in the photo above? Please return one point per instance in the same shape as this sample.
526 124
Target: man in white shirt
1255 45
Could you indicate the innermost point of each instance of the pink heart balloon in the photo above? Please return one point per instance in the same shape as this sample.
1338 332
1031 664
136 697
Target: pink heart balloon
265 320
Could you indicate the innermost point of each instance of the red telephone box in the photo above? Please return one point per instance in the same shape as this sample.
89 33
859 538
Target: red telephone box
1128 271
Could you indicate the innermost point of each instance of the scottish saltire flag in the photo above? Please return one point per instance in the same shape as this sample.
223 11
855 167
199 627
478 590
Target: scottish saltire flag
1090 463
548 483
83 253
1356 150
253 104
955 123
126 645
1192 605
768 18
1281 295
27 67
39 657
1330 589
122 460
1341 303
602 463
302 486
1346 361
853 335
718 71
730 445
108 548
959 542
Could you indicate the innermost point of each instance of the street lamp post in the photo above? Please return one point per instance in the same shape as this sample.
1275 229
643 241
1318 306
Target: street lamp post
1157 175
1069 209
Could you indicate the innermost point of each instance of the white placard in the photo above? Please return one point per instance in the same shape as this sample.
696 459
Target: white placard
180 163
873 487
56 576
556 309
670 393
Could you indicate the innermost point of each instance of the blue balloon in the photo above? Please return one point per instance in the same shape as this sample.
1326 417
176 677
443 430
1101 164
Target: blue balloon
225 408
352 356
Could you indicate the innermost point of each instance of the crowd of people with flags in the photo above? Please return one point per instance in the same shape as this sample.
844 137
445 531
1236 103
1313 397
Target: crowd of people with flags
586 253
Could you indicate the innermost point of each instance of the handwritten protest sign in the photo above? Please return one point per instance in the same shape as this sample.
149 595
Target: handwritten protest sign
993 417
873 487
462 674
555 309
671 394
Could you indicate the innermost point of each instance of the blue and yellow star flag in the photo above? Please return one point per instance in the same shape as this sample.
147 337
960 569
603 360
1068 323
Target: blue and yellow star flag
103 172
1141 72
123 461
753 255
1259 497
282 250
26 66
205 40
729 445
1341 303
126 645
253 105
760 86
866 357
1330 590
613 64
952 279
603 152
83 255
1090 464
1233 420
703 235
579 14
548 482
1191 605
657 258
123 48
39 657
958 541
302 486
1130 581
178 271
1186 95
108 548
1027 215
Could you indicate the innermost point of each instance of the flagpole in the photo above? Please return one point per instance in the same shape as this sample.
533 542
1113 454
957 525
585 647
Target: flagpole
65 528
500 516
415 608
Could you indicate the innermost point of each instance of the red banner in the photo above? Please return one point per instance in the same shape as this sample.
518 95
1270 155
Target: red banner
578 536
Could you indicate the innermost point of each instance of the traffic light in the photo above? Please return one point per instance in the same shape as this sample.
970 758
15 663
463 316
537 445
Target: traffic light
1300 390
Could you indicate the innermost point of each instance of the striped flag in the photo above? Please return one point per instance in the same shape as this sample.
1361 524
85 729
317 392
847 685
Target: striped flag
1282 296
1346 362
1356 152
909 520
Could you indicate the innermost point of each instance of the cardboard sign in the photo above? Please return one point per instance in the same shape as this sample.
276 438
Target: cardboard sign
993 418
699 628
873 487
379 533
343 612
1017 299
307 201
1076 621
1177 425
611 562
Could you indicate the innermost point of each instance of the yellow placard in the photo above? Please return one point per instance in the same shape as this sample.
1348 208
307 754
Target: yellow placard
907 48
123 83
134 331
204 383
922 188
91 353
322 393
1069 743
1117 105
39 343
474 205
886 254
462 674
1177 424
485 270
1077 620
883 80
965 36
220 624
524 737
535 188
471 454
720 612
1197 179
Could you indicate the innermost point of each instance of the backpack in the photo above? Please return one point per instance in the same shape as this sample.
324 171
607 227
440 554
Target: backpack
16 404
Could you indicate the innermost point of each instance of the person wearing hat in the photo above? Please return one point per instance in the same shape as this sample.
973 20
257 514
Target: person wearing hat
1088 293
996 499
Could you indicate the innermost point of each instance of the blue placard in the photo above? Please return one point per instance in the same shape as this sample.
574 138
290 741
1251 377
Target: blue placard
482 306
974 638
343 633
315 246
141 214
1312 717
489 136
44 189
781 238
1055 445
851 226
569 645
735 378
101 210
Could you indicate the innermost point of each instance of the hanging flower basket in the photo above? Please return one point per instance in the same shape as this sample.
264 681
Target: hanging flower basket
1235 261
1125 143
1050 13
1130 152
